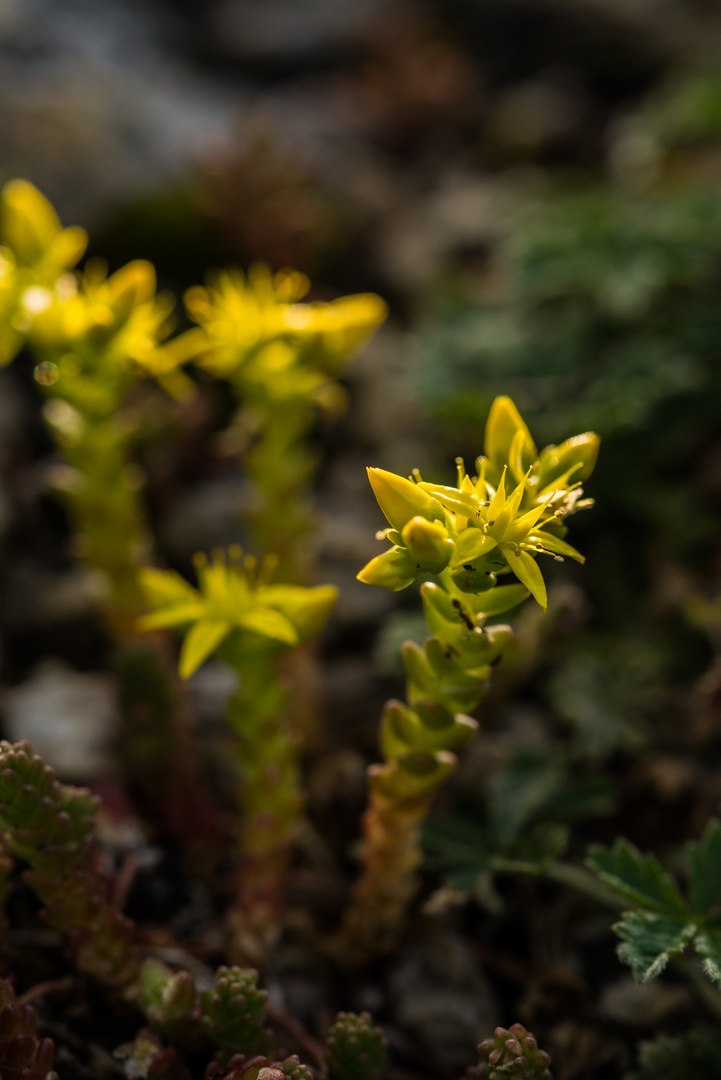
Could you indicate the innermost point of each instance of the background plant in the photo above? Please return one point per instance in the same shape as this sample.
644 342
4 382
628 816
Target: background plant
248 622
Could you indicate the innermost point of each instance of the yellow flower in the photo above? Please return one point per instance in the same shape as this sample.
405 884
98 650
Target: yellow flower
36 253
240 314
233 600
478 529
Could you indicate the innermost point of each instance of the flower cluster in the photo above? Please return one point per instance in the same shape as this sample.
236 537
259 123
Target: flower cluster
240 316
235 599
36 255
495 522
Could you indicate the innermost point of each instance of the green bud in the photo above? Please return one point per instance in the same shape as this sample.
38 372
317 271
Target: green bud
444 614
394 569
434 716
484 646
401 729
400 499
475 577
428 543
422 681
581 450
504 421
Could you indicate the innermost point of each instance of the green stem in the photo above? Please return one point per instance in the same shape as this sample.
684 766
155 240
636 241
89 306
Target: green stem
270 801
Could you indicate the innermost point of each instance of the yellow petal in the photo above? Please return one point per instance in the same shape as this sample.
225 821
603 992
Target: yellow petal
525 567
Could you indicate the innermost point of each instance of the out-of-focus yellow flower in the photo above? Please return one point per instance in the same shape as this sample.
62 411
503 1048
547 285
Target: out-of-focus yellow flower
239 315
233 600
107 330
474 531
36 253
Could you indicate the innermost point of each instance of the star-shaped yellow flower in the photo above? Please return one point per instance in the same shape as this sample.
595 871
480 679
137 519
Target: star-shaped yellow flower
233 601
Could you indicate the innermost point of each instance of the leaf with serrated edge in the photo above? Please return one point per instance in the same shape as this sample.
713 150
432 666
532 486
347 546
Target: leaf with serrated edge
650 940
639 878
708 945
705 877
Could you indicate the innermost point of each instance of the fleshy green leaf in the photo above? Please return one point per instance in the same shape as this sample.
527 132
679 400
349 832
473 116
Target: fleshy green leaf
200 642
499 599
708 945
650 940
705 878
639 878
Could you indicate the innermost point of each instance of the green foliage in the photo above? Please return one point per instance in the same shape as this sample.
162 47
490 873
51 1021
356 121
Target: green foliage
356 1050
93 337
233 1013
51 826
692 1056
661 922
607 714
520 828
512 1052
22 1055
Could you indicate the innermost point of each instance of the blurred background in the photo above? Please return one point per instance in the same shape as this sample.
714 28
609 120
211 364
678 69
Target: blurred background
533 186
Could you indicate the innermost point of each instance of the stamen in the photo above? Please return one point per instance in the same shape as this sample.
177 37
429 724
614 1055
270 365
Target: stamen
558 558
460 466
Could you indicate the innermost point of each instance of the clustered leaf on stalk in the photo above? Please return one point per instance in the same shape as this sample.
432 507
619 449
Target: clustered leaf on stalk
93 337
467 536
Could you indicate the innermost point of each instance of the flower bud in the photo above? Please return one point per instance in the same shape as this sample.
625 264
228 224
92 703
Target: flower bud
581 450
394 569
400 500
428 544
475 577
504 421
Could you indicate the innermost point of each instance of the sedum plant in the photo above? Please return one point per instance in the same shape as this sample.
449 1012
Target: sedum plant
22 1055
94 336
356 1049
93 339
238 615
51 827
512 1053
491 525
283 359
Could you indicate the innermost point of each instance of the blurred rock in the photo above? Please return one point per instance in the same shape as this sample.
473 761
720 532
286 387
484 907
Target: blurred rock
206 517
439 994
93 108
281 29
637 1005
69 718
